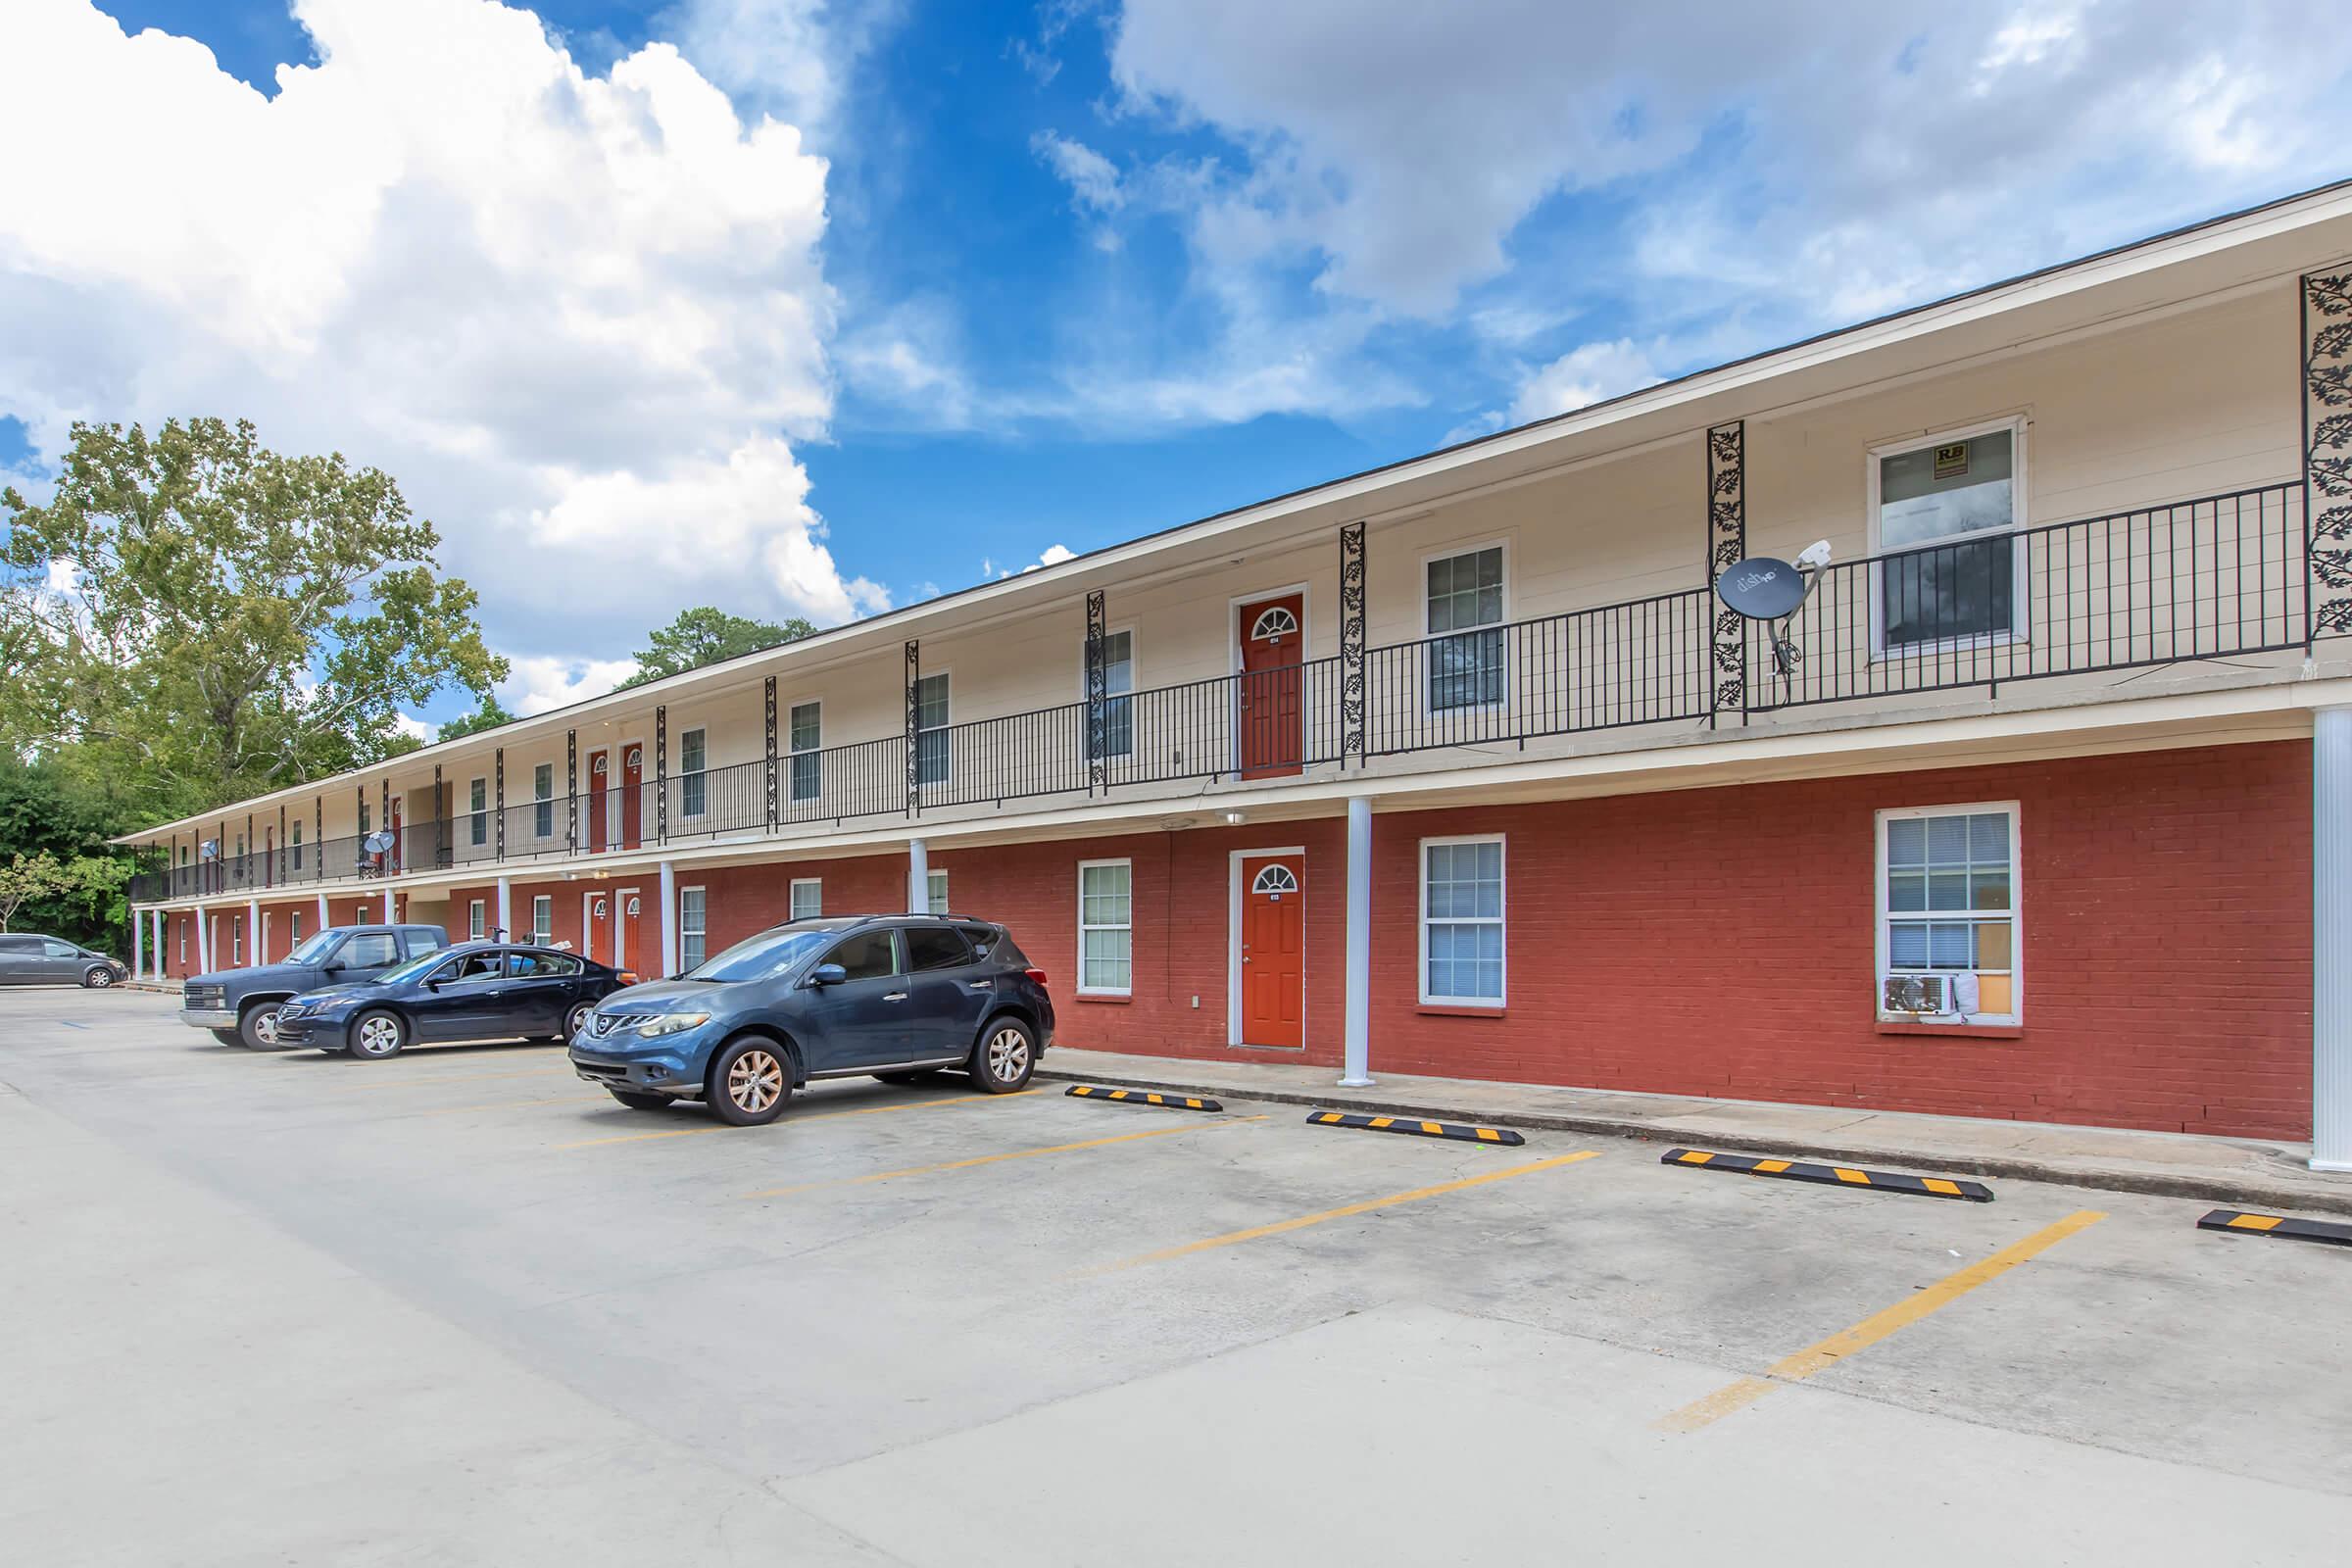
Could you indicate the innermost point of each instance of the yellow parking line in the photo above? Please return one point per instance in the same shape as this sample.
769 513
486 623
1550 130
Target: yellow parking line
793 1120
1367 1206
1871 1330
1010 1153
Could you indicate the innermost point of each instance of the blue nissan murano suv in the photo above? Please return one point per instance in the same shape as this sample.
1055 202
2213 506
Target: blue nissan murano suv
894 995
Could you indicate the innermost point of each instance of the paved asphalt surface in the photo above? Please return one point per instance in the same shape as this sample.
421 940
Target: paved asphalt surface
459 1308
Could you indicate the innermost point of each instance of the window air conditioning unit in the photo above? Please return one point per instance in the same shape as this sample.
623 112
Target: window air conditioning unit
1925 995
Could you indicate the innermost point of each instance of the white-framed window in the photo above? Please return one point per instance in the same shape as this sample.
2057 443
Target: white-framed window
1944 510
478 919
1118 685
1947 916
935 887
1106 928
365 824
693 787
1462 921
297 845
237 941
183 944
807 737
477 807
294 928
807 898
543 919
543 800
1462 612
693 907
932 759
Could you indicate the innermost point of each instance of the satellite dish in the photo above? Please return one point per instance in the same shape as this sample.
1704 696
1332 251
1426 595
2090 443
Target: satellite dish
377 842
1762 588
209 850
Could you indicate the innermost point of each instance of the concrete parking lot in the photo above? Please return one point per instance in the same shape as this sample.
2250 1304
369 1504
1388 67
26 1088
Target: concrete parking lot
460 1307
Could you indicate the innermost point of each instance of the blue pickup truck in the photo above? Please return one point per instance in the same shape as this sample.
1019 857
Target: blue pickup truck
240 1005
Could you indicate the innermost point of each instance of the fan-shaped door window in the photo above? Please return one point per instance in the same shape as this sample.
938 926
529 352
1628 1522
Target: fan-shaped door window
1273 625
1275 881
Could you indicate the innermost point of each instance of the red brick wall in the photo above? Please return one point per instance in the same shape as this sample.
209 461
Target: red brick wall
1720 941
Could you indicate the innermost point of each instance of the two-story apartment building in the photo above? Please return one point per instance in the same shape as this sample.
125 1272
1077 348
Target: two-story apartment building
1461 765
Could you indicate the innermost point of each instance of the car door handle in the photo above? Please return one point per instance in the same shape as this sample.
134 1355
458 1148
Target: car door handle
984 985
896 995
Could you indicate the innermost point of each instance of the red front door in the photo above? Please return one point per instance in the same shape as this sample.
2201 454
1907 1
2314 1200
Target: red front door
630 950
1273 948
600 778
594 908
1273 635
632 794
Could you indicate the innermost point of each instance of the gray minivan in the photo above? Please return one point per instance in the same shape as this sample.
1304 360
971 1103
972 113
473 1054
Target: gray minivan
29 960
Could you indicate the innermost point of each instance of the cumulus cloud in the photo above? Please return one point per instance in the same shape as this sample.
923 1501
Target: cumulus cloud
538 684
414 728
579 316
1583 376
1054 556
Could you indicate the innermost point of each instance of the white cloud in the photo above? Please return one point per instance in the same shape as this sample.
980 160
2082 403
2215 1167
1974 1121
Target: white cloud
1583 376
539 683
791 58
1054 556
1093 180
578 316
414 728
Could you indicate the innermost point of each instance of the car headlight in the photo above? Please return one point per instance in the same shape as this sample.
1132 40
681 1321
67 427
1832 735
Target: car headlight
674 1023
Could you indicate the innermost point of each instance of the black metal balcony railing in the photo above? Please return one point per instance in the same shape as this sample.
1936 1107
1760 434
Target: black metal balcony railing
2217 577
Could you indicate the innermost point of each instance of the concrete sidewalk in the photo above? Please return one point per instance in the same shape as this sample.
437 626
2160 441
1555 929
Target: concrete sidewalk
2243 1172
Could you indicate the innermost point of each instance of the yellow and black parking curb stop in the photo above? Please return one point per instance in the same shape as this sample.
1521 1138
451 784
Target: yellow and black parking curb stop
1797 1170
2283 1226
1145 1096
1418 1128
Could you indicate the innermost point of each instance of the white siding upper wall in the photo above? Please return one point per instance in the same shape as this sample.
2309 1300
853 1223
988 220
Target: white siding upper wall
2196 403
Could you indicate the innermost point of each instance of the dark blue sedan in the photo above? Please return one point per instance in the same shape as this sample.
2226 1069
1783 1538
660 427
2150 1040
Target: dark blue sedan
478 991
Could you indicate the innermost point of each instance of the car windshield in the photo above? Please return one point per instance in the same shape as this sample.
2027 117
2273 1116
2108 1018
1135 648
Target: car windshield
771 952
411 969
318 947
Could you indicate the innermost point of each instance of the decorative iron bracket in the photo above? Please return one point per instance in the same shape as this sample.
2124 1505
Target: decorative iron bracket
914 772
2326 318
1727 547
661 774
571 790
1098 691
771 754
1352 644
497 766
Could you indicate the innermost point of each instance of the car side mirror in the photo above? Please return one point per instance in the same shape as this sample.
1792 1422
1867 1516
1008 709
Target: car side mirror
827 974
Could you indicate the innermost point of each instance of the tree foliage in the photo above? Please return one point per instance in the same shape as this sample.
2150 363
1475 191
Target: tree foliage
26 879
705 636
487 716
197 618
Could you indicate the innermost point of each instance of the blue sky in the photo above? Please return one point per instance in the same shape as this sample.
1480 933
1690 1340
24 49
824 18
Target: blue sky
1027 278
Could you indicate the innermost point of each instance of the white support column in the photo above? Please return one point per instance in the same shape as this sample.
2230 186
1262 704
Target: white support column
138 946
253 932
2332 940
505 916
323 921
669 920
389 916
1356 1069
204 940
161 927
919 877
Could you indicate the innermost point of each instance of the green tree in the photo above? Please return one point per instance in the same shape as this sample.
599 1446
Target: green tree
200 618
44 878
487 716
52 810
705 636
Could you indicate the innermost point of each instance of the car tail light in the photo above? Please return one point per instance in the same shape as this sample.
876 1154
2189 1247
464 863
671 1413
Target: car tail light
1038 975
627 977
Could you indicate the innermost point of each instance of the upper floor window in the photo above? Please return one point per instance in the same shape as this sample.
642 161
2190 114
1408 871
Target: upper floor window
1947 912
1945 511
1465 665
477 799
808 742
931 757
693 787
543 798
297 845
1118 682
